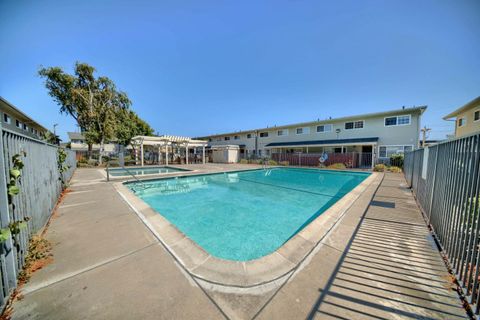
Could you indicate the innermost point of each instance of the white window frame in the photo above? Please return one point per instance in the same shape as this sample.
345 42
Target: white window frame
237 137
323 125
18 124
6 118
250 134
475 111
392 145
354 121
284 132
226 138
464 122
305 130
398 125
260 134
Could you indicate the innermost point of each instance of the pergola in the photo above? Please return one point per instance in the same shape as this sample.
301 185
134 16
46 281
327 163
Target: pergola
165 142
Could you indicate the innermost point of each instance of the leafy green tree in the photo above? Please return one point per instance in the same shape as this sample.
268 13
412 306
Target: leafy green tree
130 125
49 137
101 111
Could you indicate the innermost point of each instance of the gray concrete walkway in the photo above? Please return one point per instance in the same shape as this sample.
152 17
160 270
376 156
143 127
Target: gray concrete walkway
107 265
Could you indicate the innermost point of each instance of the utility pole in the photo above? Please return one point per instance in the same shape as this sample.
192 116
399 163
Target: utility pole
424 131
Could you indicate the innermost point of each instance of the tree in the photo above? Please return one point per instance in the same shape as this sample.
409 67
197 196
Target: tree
49 137
95 103
130 125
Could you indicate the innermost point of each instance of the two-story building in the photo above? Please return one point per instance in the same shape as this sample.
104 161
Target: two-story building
14 119
376 136
467 118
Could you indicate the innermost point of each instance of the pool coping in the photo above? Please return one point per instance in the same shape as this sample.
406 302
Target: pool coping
244 274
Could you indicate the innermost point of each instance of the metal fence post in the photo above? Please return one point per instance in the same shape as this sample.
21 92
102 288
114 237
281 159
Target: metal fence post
434 176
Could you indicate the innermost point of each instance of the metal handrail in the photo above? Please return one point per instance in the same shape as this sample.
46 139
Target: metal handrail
128 171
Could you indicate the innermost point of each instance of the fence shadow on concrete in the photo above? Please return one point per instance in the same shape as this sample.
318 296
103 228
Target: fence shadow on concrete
390 268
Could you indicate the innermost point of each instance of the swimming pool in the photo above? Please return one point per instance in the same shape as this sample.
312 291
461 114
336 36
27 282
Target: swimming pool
246 215
143 171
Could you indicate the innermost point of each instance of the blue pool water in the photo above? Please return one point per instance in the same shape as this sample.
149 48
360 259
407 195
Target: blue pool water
246 215
143 171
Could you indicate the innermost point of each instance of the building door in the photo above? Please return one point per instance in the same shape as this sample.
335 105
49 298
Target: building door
366 156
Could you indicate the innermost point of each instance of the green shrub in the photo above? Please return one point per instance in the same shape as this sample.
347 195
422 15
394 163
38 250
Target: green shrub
395 169
272 163
243 161
92 162
284 163
396 160
338 166
379 167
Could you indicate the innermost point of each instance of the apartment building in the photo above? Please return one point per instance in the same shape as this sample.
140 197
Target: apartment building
467 118
379 134
14 119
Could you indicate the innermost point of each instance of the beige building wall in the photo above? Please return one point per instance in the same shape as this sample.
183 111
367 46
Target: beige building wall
374 126
471 125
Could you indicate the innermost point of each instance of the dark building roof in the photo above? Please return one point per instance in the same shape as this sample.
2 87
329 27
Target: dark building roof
321 142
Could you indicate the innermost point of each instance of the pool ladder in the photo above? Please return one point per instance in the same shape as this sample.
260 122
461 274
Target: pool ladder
140 182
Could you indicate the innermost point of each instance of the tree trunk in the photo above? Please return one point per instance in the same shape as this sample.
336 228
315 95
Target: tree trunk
89 151
102 147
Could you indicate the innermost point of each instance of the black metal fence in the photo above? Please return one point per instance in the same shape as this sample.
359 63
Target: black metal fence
445 179
39 189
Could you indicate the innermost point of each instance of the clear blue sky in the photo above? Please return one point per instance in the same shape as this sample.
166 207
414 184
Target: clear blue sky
201 67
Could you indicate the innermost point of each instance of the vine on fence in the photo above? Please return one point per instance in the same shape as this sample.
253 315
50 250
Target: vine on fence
62 167
13 189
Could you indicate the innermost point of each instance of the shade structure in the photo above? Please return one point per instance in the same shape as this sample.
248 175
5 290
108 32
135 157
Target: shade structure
166 142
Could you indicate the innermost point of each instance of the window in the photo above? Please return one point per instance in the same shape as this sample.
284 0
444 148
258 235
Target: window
391 121
25 127
403 120
397 121
388 151
209 139
324 128
18 124
6 118
462 122
304 130
219 139
283 132
249 136
354 125
236 137
227 138
263 134
476 115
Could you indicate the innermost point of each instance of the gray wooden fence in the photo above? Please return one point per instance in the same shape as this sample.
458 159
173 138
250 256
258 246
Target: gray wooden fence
40 188
445 179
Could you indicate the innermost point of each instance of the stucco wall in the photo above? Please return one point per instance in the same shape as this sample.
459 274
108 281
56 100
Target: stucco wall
373 127
471 126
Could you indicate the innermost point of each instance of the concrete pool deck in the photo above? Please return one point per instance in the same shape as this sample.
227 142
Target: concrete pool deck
380 263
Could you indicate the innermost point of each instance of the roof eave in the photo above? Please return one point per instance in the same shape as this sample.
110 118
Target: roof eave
462 109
